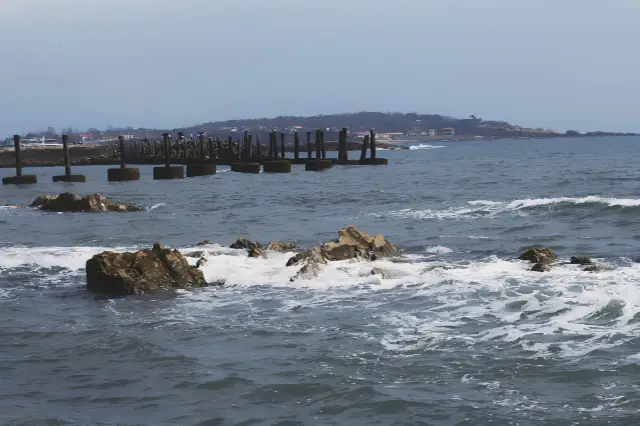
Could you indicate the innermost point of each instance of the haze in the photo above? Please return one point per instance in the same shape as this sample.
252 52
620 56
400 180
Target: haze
570 64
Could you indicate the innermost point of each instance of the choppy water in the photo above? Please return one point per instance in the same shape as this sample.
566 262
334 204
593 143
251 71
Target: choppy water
459 333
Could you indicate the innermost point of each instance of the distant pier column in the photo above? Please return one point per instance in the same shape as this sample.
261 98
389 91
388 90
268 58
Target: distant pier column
203 168
296 146
211 156
19 178
309 148
373 161
283 151
123 173
318 147
67 177
167 171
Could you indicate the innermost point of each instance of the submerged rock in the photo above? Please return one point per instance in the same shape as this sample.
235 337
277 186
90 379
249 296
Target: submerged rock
257 252
379 272
68 202
245 243
143 271
539 255
277 246
541 267
592 268
577 260
351 244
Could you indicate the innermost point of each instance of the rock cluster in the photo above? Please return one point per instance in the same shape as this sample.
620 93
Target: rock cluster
256 249
144 271
544 259
351 244
67 202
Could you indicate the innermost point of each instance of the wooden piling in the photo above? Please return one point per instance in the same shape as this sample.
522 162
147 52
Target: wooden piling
363 150
19 178
309 149
283 138
318 148
324 151
373 143
67 177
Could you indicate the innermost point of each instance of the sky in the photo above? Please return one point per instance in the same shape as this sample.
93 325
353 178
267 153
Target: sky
561 64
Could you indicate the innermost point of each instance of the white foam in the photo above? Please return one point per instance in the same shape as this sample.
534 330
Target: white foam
425 146
438 250
155 206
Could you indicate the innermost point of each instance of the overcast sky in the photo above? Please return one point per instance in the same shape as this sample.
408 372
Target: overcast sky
564 64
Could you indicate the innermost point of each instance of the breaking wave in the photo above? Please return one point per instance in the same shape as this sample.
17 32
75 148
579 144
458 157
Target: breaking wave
425 146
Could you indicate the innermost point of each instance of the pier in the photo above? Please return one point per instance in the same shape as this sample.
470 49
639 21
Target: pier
202 156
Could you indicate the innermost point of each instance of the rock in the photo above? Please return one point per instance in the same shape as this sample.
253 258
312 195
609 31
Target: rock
201 262
355 244
380 272
257 252
244 243
67 202
312 262
539 255
196 254
276 246
144 271
14 205
576 260
203 243
541 267
592 268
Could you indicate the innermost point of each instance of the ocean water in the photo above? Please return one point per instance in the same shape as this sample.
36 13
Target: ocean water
458 332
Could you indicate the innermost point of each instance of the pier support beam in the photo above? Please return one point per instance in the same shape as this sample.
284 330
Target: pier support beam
317 165
19 178
167 171
67 176
124 173
246 168
277 166
202 169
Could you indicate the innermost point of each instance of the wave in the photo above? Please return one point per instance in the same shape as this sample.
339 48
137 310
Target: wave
425 146
482 208
482 304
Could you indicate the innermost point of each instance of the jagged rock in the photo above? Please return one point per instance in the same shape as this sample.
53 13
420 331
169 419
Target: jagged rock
244 243
312 262
539 255
144 271
541 267
277 246
201 262
592 268
355 244
256 252
203 243
67 202
577 260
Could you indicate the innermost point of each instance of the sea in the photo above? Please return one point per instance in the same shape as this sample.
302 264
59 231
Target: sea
456 331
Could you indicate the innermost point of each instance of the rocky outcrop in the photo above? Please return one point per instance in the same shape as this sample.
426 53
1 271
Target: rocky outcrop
544 256
579 260
256 253
351 244
245 243
278 246
541 267
94 203
143 271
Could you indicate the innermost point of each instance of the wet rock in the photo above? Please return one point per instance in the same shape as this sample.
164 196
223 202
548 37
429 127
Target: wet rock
277 246
201 262
256 252
379 272
539 255
197 254
203 243
355 244
541 267
68 202
312 262
245 243
592 268
144 271
14 205
577 260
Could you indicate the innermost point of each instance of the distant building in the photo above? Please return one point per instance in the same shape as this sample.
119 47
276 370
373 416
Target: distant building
447 131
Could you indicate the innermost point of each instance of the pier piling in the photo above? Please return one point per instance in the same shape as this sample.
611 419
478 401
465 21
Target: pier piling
123 173
373 161
19 178
202 168
167 171
67 176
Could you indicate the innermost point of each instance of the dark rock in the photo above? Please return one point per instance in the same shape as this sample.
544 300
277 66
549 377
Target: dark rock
539 255
276 246
201 262
380 272
197 254
592 268
68 202
355 244
256 252
204 243
144 271
541 267
312 262
244 243
576 260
